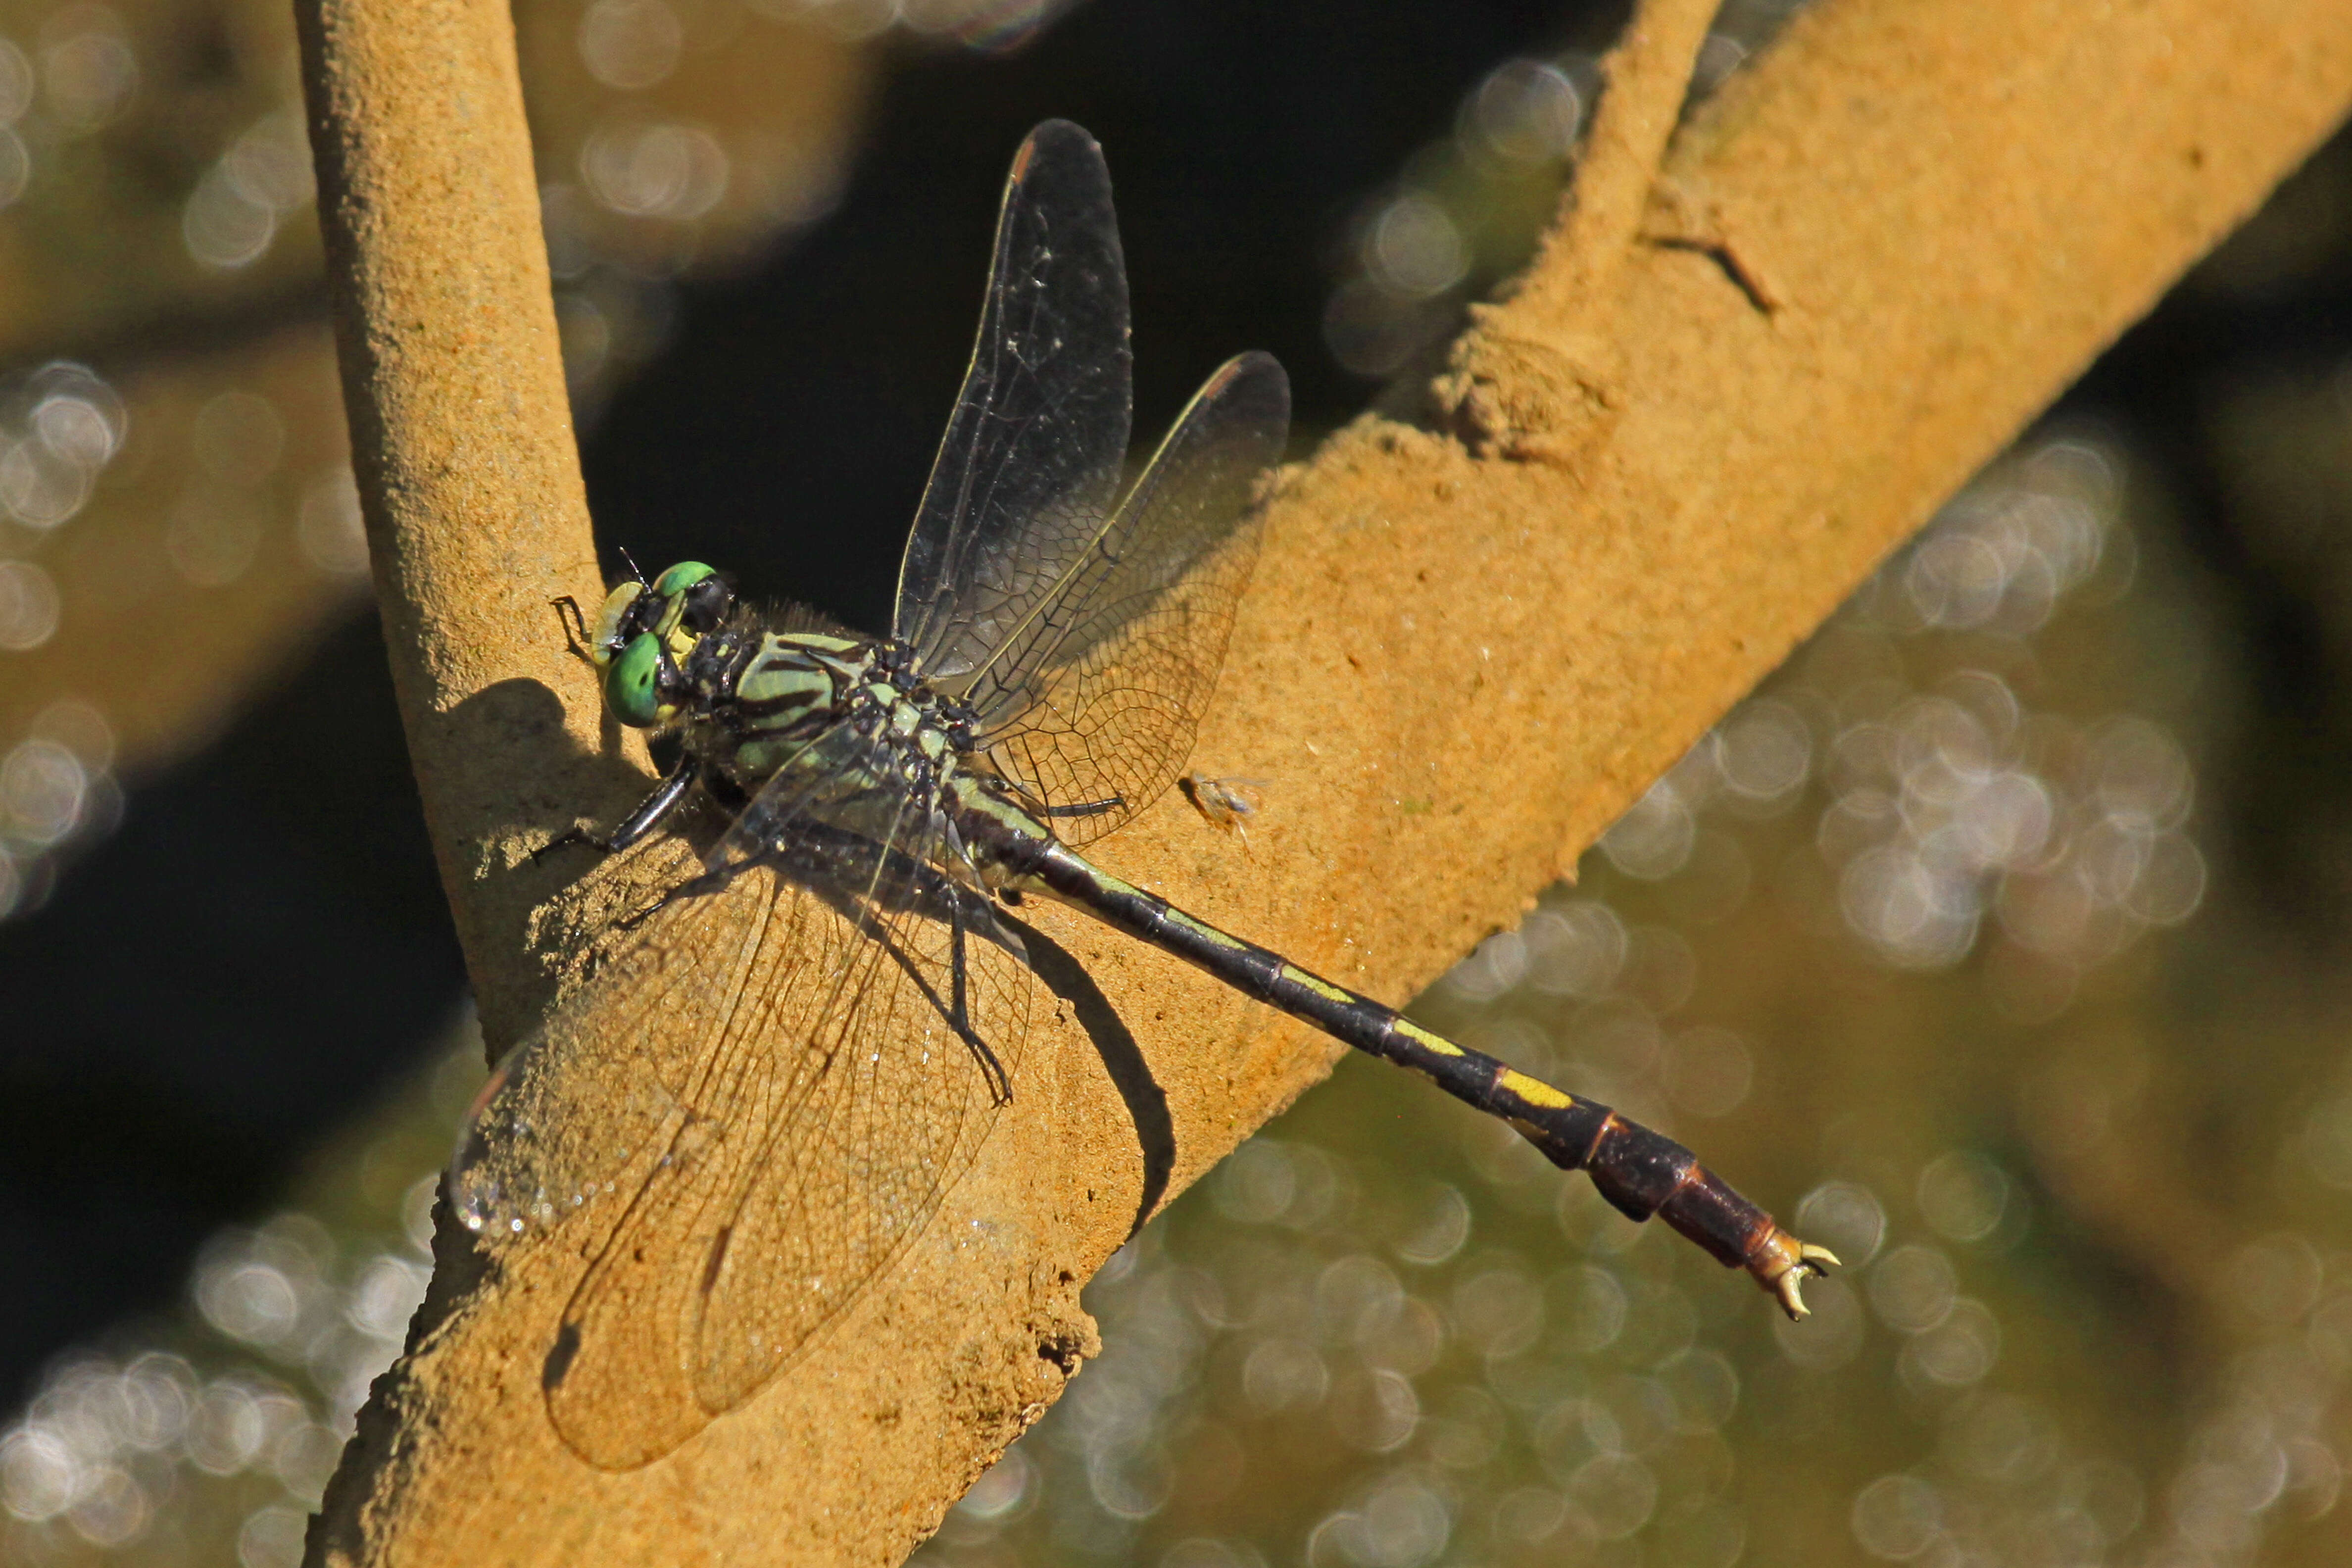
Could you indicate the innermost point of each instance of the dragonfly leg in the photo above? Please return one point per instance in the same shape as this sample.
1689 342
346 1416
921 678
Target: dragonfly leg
648 814
999 1082
575 626
575 834
957 1014
950 1008
1084 808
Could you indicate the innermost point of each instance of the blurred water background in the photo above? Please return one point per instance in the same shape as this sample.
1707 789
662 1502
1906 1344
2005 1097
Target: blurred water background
1999 937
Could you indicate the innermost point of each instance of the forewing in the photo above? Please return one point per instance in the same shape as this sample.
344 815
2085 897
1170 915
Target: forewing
894 1100
620 1122
1031 460
1095 701
706 1101
609 1075
891 1119
613 1070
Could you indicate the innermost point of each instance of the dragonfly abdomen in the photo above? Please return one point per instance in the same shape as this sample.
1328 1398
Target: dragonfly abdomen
1642 1172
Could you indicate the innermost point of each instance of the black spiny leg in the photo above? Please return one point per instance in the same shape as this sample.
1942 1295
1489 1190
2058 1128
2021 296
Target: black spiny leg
648 815
1084 808
1000 1083
950 1008
957 1014
575 626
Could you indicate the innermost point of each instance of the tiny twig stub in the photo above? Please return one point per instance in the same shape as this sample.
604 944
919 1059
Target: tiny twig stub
1535 377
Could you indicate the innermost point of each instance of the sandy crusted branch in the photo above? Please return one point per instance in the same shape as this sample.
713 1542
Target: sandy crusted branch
1452 658
462 443
1537 380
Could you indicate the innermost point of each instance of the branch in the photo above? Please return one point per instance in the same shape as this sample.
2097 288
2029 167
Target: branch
1461 660
462 444
1540 381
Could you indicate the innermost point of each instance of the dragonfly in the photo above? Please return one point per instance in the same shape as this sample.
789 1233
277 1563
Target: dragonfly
751 1113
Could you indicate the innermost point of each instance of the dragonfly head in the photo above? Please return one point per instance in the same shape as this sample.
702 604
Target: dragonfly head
645 634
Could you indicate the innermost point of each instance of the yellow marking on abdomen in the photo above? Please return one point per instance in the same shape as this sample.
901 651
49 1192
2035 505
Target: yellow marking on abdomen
1534 1091
1438 1043
1323 988
1204 929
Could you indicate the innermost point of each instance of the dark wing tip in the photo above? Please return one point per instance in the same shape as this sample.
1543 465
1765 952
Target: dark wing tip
1059 130
1057 195
1054 140
1255 381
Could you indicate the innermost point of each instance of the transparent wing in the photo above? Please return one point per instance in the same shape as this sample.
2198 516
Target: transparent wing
1031 460
747 1117
1092 702
915 1073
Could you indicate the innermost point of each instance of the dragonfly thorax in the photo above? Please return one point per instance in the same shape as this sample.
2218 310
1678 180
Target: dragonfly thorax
756 699
751 701
678 652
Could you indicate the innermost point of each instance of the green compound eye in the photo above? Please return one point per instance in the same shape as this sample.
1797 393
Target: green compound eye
633 684
681 577
673 595
608 641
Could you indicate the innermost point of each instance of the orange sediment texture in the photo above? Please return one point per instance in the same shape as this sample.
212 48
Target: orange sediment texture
461 434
